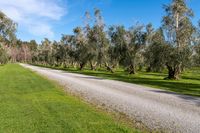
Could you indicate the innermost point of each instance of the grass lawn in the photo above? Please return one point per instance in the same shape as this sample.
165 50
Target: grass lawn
189 84
31 104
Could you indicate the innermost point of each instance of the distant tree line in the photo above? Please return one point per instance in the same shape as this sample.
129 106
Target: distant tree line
174 46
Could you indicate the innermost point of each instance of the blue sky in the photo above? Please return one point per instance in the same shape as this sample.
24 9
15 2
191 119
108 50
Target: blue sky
38 19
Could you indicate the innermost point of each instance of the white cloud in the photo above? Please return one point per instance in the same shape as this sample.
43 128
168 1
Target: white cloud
34 15
40 29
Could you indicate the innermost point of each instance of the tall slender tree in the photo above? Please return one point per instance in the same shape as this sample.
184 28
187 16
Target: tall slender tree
179 29
7 28
81 49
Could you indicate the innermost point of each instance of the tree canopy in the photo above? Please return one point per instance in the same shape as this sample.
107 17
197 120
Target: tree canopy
174 46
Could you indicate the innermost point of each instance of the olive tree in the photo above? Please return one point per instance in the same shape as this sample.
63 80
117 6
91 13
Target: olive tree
155 53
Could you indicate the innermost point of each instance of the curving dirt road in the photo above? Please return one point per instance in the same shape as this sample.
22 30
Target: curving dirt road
157 109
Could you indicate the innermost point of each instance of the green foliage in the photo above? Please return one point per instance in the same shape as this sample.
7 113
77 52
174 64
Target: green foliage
155 56
30 103
3 56
156 52
94 45
7 28
81 51
197 55
179 31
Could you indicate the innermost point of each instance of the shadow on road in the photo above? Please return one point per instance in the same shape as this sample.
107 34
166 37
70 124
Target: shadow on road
191 99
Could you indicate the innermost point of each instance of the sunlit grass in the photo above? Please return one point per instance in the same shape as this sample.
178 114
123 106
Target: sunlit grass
189 84
31 104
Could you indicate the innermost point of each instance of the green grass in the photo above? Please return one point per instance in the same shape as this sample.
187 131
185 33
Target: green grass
31 104
189 84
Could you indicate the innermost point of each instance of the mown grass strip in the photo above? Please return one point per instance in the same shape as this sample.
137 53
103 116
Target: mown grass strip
31 104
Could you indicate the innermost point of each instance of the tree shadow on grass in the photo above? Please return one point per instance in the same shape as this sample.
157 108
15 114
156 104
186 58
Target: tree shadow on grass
156 81
182 88
178 87
175 86
191 78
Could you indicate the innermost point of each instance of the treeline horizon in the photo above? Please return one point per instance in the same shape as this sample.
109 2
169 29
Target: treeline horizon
174 46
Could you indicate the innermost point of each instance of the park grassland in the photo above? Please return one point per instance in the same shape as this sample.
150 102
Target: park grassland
29 103
189 84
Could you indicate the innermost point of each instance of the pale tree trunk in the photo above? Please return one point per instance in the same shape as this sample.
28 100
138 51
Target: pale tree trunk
93 65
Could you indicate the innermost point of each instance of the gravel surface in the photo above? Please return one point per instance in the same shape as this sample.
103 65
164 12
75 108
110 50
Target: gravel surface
156 109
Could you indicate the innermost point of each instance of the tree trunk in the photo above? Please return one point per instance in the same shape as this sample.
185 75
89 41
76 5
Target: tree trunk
109 68
82 66
132 69
149 69
93 66
173 72
64 65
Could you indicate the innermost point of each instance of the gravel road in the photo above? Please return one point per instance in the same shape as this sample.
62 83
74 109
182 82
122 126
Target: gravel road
156 109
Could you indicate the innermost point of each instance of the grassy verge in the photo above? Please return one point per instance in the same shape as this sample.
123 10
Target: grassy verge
189 84
29 103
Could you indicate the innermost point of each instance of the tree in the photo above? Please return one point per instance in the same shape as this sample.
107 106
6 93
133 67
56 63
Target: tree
118 44
44 52
196 46
7 28
135 41
90 34
3 56
81 50
25 52
7 35
102 41
149 34
68 44
178 29
127 45
155 52
197 55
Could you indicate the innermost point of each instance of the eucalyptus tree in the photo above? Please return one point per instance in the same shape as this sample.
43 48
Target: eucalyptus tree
102 41
196 47
90 34
7 28
80 52
7 35
93 49
33 47
25 52
44 52
55 54
179 29
149 34
68 44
